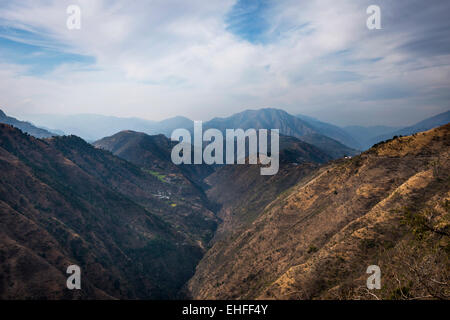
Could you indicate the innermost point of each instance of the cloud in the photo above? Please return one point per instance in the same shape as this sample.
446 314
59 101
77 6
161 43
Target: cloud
197 58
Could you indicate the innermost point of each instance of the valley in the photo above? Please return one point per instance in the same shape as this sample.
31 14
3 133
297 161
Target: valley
141 227
190 158
316 239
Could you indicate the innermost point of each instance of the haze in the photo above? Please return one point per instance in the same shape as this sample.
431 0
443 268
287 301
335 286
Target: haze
200 59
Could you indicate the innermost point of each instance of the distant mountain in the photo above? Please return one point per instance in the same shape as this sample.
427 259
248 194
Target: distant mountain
26 126
365 135
332 131
263 119
332 139
388 206
167 126
93 127
427 124
64 202
288 125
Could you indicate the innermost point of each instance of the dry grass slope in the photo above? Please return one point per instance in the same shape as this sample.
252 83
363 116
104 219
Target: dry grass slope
389 207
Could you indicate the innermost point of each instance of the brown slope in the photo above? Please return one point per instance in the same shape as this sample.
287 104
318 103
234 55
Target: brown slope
242 191
165 192
55 213
153 153
317 239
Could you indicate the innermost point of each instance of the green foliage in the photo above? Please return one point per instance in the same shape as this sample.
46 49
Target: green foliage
423 225
368 243
312 249
400 293
161 177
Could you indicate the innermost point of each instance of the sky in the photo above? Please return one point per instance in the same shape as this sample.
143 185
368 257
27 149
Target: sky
156 59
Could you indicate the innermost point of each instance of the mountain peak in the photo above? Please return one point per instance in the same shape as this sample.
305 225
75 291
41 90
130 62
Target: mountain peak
264 111
289 125
267 110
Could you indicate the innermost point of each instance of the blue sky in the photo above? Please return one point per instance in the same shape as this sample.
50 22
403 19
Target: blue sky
161 58
38 59
250 20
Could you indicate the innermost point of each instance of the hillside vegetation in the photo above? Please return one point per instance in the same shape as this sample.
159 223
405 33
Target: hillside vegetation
64 202
388 206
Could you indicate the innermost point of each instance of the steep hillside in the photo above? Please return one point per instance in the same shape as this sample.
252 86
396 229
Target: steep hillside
161 188
64 202
288 125
25 126
230 186
388 206
153 153
242 191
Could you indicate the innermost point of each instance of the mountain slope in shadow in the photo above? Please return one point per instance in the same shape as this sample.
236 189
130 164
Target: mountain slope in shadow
154 153
65 202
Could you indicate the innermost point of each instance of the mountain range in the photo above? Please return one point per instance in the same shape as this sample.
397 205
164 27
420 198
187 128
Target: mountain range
26 126
339 134
93 127
427 124
288 125
141 227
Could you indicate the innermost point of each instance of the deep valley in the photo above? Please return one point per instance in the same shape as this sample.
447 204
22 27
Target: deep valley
141 227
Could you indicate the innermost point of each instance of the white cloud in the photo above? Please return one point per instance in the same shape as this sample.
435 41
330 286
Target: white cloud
156 59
